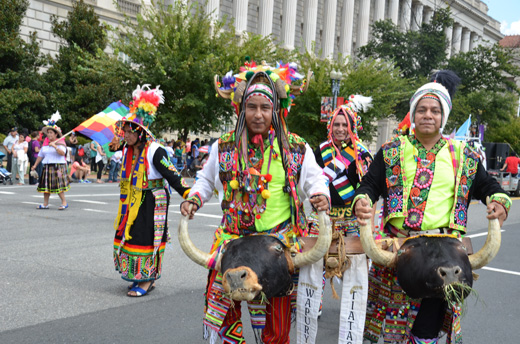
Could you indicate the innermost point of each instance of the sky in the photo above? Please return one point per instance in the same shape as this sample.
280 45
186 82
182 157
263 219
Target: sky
507 12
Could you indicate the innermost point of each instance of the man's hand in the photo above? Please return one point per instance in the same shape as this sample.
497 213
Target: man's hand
496 211
320 203
188 208
363 211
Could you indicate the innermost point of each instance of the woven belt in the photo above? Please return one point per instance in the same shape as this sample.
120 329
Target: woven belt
431 231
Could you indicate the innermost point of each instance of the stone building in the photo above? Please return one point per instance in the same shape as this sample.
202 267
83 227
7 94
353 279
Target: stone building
513 43
335 26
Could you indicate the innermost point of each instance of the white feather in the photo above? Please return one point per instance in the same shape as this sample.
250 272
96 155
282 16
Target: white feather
360 103
56 116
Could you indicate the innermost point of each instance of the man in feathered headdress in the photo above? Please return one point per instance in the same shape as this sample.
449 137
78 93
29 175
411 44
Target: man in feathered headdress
427 182
141 222
262 173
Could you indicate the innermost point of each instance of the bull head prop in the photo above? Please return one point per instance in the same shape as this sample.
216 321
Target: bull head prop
446 256
258 265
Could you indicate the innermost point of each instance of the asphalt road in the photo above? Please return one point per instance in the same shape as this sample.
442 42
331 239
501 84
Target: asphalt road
58 283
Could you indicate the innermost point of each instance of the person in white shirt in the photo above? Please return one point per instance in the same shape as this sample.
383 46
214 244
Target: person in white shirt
115 166
8 145
54 177
20 159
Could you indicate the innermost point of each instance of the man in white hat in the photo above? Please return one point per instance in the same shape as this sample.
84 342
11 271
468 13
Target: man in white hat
426 182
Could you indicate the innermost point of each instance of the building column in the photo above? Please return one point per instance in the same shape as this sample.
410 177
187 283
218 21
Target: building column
466 33
379 10
456 40
347 28
449 35
266 18
329 19
363 24
417 18
428 15
473 42
309 25
240 15
212 9
393 11
406 15
289 23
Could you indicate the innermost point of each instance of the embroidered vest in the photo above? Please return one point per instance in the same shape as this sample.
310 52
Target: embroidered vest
396 203
238 222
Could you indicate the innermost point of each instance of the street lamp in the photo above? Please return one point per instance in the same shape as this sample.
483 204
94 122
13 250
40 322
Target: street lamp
336 77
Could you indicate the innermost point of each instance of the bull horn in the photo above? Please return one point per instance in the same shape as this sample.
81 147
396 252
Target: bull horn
375 253
187 245
490 248
226 94
322 244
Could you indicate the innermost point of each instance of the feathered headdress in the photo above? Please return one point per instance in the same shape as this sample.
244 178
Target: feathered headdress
51 124
143 109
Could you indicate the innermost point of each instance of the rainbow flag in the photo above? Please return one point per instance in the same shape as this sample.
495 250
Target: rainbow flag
100 127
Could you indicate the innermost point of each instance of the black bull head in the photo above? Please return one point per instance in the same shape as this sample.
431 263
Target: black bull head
427 264
260 263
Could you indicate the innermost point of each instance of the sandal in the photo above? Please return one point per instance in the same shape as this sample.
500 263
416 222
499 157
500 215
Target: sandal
41 206
133 285
63 207
140 291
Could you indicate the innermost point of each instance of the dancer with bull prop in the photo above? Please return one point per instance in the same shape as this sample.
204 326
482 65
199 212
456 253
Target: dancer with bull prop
141 222
426 182
262 174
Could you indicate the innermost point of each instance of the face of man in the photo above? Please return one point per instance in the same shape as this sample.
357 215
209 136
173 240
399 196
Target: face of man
340 129
130 136
428 118
14 133
259 115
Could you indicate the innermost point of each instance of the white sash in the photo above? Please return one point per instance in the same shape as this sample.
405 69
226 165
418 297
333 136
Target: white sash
308 300
354 301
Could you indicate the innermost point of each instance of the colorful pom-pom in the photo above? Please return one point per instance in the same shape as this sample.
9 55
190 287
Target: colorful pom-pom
234 184
266 194
249 75
231 210
258 216
268 177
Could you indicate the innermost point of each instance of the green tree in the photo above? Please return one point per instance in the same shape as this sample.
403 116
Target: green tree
83 79
380 80
506 131
416 53
180 49
20 98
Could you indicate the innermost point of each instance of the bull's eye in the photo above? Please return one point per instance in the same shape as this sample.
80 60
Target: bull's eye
278 248
400 251
464 247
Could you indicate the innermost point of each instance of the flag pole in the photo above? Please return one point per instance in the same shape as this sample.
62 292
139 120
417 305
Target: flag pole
63 136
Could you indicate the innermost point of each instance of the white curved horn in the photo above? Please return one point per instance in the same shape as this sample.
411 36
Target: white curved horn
490 248
375 253
322 244
187 245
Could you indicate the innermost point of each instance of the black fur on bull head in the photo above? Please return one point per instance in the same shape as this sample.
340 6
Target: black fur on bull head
260 263
427 264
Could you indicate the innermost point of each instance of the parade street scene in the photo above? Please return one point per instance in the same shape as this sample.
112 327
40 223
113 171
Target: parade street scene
267 172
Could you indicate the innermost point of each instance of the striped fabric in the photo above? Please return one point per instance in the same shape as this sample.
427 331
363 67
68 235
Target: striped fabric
336 169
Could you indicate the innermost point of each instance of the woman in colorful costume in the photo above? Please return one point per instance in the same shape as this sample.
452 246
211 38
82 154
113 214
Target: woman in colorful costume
345 161
141 222
427 182
262 174
52 156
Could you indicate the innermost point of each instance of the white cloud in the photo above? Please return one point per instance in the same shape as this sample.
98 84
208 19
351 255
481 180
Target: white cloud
513 29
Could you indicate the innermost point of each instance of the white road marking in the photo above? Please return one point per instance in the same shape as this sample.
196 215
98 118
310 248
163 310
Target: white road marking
31 203
7 192
85 201
501 270
97 211
481 234
200 214
212 226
